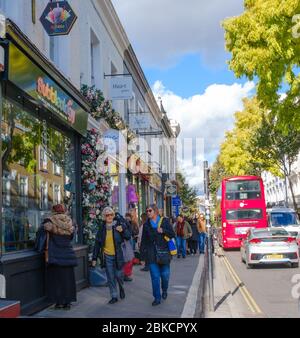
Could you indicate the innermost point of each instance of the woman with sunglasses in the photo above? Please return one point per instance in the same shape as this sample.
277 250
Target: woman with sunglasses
155 230
108 242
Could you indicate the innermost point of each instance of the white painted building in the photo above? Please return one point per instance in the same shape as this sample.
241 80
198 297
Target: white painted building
275 187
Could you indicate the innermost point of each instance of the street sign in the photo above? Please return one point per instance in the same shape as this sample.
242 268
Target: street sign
171 190
176 201
121 87
58 18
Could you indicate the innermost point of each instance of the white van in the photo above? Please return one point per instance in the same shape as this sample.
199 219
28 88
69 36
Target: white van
285 218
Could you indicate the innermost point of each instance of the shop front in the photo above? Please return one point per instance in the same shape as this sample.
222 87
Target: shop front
43 118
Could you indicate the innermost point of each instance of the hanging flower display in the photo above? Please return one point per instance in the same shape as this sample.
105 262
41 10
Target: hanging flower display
96 185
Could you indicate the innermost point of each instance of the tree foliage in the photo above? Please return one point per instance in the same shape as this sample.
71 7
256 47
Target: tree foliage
236 157
187 194
265 45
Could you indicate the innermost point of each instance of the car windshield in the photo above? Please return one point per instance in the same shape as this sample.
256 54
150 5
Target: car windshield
271 233
284 218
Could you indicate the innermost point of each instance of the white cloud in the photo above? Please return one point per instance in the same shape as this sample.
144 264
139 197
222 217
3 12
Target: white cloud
206 116
164 30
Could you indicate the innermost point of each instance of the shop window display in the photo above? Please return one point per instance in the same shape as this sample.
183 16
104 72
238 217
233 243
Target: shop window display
33 154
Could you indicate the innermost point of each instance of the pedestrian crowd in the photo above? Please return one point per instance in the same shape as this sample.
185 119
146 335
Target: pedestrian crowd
120 243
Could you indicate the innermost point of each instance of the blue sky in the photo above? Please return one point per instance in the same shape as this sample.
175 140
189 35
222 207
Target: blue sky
184 59
191 75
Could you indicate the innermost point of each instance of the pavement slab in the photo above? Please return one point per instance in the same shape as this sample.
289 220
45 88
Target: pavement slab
92 301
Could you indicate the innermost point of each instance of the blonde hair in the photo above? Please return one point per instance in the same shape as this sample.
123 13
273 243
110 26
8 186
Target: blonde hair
107 210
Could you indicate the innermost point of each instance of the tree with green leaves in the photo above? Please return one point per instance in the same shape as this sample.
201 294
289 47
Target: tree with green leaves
187 194
265 45
236 157
277 150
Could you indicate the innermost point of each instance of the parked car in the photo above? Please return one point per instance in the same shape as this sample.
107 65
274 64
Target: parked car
269 246
284 217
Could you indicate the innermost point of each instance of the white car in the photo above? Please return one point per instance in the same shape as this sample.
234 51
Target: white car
269 246
284 218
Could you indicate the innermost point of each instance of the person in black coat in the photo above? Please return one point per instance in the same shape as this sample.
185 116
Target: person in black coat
109 239
193 241
155 250
58 231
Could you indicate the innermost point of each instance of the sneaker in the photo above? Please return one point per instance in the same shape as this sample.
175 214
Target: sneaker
113 301
164 295
127 279
178 256
122 293
155 302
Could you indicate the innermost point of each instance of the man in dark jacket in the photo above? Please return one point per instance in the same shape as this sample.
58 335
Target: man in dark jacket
109 238
153 245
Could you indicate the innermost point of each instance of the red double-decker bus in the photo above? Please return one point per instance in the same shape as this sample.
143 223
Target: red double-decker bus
243 206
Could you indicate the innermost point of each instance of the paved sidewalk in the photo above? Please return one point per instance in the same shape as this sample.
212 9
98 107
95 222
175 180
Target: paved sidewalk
92 302
228 300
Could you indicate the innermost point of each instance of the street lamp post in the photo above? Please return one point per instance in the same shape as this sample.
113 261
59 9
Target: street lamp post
209 239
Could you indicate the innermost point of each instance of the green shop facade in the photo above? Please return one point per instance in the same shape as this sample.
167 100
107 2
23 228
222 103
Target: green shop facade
43 118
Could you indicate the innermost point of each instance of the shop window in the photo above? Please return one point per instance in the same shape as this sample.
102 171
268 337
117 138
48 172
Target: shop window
28 193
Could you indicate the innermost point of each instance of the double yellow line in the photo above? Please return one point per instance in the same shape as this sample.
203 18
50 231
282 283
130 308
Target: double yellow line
245 293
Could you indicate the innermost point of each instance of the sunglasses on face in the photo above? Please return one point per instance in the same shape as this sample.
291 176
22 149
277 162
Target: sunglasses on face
149 210
109 215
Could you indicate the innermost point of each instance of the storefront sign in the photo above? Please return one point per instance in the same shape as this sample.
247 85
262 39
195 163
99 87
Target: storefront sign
139 121
58 18
35 82
120 87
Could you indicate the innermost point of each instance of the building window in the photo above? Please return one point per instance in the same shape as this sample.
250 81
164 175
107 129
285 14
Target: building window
43 159
23 191
56 194
44 196
56 169
95 61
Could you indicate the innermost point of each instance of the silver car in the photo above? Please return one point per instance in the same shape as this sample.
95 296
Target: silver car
269 246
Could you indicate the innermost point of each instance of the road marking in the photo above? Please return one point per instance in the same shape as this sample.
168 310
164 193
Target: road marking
191 300
246 294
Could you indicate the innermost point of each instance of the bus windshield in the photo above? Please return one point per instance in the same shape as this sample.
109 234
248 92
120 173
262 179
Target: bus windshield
243 190
241 214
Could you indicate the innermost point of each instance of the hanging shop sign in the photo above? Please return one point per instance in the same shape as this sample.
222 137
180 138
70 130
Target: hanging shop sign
139 121
58 18
171 190
120 87
26 75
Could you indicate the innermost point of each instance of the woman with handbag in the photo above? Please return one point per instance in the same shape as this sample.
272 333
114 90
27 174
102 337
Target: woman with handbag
155 249
108 244
58 232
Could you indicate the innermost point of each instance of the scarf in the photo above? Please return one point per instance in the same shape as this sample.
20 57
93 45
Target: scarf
59 224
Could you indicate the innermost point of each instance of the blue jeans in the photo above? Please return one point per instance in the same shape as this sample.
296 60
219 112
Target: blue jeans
202 238
158 272
181 246
113 275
